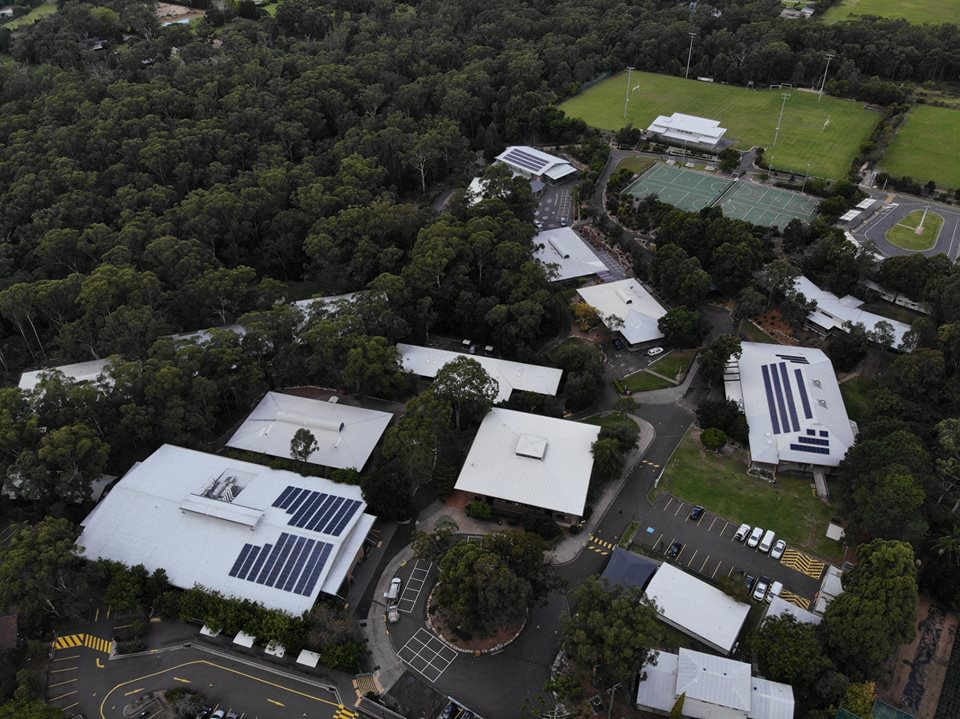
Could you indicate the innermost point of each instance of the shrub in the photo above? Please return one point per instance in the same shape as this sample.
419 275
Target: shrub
542 525
713 438
479 509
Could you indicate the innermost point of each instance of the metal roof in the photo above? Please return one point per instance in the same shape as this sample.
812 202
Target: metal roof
531 161
499 465
713 680
690 128
630 301
77 372
627 569
566 249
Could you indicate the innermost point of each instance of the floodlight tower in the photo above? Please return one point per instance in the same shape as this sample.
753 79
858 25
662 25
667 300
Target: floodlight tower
626 92
686 73
785 96
823 82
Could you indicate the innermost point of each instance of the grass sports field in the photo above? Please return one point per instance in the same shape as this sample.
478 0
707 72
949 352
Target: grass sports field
916 11
826 135
926 147
906 234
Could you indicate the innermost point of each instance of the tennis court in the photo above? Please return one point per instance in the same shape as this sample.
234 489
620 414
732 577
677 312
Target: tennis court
766 206
684 189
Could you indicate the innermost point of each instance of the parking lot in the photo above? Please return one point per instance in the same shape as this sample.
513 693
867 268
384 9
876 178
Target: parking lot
427 655
710 550
414 586
555 208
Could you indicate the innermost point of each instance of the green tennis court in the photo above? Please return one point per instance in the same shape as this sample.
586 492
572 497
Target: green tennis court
684 189
766 206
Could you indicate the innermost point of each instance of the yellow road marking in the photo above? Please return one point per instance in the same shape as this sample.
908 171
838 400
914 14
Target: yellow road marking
274 701
133 691
62 696
106 697
181 679
99 663
58 671
60 684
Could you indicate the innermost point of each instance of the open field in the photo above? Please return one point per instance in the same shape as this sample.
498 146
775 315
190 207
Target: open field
751 333
926 147
636 165
826 134
38 13
675 364
915 11
721 484
641 381
910 234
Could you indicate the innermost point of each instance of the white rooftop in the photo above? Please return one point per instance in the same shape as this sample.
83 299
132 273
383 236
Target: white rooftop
628 300
691 128
866 204
244 640
697 608
770 700
780 607
832 311
78 372
242 529
712 680
427 361
531 459
850 215
346 436
308 658
566 249
792 403
657 689
531 161
203 336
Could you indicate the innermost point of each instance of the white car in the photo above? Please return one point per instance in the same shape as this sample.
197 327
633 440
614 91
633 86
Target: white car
778 549
754 538
742 532
760 591
775 590
654 351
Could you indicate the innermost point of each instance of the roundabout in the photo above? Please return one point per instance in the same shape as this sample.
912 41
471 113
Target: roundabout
917 231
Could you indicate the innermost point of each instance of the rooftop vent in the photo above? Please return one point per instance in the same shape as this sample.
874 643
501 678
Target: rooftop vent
310 422
530 445
561 253
822 402
227 486
334 399
627 299
818 383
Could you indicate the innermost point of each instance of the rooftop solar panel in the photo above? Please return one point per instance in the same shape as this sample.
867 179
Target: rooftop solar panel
804 399
316 512
321 519
291 561
307 508
778 394
814 440
258 565
298 500
240 559
527 160
281 560
811 433
310 578
808 448
261 577
337 528
765 371
796 359
788 392
284 495
311 562
294 563
824 433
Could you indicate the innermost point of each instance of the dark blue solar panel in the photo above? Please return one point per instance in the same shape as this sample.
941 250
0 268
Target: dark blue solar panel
294 567
308 567
255 569
769 394
239 563
796 359
321 519
808 448
317 508
804 400
278 565
290 561
824 433
811 433
335 519
813 440
525 159
271 560
298 501
248 562
788 391
309 579
778 393
348 515
284 497
306 508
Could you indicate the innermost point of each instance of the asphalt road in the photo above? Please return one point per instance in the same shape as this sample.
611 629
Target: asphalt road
86 682
555 208
875 227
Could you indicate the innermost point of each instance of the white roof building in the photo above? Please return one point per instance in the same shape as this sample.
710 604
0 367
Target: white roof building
628 300
242 529
831 587
832 312
696 608
510 376
780 607
531 460
713 688
565 249
792 403
346 436
681 128
78 372
531 162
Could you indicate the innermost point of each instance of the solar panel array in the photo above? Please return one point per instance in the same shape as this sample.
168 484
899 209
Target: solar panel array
293 564
778 387
524 159
317 511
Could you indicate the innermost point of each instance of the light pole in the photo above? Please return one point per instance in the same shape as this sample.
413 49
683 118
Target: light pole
686 74
610 705
823 82
806 177
785 96
626 93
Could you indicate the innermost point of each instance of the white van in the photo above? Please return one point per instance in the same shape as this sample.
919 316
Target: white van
767 541
774 591
394 591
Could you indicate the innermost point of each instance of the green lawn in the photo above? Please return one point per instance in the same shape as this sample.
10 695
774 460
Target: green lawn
826 134
641 381
856 397
916 11
926 147
722 485
675 364
636 165
911 235
751 333
38 13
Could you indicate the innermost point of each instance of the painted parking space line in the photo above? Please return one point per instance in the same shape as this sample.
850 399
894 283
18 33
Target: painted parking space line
725 525
716 569
679 507
667 505
700 521
414 586
427 655
706 559
730 572
710 528
691 558
659 539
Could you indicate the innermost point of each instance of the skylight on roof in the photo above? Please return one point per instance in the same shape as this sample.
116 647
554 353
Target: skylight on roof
530 445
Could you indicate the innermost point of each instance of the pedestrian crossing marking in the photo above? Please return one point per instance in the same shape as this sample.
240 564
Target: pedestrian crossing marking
366 684
801 602
804 563
88 641
602 542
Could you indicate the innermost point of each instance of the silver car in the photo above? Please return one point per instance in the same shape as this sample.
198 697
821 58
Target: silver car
760 591
754 539
778 549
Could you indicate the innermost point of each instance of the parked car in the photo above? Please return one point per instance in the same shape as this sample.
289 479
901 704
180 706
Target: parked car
748 581
394 591
760 591
673 551
767 541
775 590
218 714
778 549
696 513
393 614
654 351
755 535
743 531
